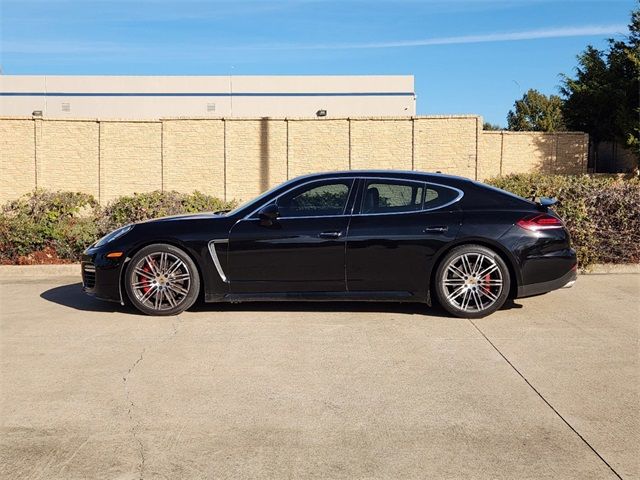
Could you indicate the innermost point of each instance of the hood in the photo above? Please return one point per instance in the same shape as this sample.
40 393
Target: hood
187 216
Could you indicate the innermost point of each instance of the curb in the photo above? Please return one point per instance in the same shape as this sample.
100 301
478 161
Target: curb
39 271
73 270
612 268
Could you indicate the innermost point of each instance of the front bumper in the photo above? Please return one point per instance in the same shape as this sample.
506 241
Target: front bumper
101 276
567 280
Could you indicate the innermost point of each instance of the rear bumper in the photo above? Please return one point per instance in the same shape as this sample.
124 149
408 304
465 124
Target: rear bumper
567 280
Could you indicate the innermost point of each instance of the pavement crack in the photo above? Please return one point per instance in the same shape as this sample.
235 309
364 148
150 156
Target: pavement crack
135 425
584 440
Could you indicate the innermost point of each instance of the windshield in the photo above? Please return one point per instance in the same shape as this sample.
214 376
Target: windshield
256 200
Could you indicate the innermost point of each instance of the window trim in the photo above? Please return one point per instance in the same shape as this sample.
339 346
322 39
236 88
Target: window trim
315 180
369 180
356 181
424 183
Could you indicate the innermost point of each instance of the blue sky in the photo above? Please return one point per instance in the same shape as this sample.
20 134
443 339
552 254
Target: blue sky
468 56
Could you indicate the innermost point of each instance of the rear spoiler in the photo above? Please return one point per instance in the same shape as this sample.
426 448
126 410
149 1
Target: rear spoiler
543 203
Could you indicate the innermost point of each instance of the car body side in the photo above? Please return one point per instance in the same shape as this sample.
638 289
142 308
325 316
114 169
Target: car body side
386 257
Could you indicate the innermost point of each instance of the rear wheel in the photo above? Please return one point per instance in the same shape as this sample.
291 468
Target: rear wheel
162 280
472 281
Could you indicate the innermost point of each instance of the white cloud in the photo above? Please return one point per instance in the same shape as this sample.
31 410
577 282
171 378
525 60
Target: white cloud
559 32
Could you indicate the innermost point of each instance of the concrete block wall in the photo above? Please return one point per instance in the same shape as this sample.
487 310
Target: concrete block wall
504 152
240 158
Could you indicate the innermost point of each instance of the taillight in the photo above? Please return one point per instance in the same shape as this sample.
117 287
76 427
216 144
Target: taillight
540 222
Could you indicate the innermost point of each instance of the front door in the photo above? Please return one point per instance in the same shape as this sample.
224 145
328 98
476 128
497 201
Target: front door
303 250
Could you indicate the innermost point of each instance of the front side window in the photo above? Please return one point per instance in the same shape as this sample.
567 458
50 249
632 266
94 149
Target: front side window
392 196
324 199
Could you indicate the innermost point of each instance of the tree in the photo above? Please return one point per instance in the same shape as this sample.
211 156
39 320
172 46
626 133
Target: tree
491 126
603 98
537 112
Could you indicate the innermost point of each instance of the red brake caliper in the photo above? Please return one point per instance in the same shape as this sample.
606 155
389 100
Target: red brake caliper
487 285
145 280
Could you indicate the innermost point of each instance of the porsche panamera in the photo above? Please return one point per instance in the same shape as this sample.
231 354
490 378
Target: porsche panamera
355 235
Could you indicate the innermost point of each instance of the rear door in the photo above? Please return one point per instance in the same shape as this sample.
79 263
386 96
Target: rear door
397 228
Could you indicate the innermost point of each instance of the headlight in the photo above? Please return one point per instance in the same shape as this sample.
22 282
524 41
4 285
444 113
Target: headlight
111 236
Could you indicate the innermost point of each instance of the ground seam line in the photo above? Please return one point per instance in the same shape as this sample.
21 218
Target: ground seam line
545 400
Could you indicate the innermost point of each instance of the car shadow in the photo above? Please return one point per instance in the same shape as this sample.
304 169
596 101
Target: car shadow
72 296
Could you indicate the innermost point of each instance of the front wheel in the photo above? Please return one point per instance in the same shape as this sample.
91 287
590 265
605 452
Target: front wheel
162 280
472 281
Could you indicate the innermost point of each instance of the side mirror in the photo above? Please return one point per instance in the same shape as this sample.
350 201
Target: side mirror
268 215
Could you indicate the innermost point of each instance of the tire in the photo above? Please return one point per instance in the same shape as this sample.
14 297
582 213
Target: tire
162 280
472 281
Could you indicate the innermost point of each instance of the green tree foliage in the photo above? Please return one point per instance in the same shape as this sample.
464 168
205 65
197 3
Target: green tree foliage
537 112
603 98
491 126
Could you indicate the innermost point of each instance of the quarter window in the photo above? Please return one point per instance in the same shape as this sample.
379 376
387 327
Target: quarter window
316 200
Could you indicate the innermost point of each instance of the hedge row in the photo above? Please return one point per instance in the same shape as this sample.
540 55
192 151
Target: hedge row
53 227
601 212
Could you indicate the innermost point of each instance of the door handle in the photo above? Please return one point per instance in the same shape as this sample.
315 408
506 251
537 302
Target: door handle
330 235
436 229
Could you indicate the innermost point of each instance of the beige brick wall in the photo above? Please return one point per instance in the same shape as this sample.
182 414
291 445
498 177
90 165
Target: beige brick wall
490 154
130 158
240 158
68 156
447 144
17 158
385 144
521 152
256 157
193 156
318 146
571 153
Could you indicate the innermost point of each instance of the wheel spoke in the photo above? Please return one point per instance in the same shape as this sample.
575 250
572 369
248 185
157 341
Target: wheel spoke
478 265
158 299
143 273
476 299
181 276
152 265
456 271
466 299
456 293
174 266
171 298
177 288
148 294
489 270
453 282
489 294
466 265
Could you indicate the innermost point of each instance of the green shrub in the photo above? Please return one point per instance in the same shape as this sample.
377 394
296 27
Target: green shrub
63 224
46 220
144 206
602 212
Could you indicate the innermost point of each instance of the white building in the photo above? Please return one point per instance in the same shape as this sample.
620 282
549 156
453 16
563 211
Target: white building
149 97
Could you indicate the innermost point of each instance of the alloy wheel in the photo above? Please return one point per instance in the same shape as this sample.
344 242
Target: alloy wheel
472 282
160 281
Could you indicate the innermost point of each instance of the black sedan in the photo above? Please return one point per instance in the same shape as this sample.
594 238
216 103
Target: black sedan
356 235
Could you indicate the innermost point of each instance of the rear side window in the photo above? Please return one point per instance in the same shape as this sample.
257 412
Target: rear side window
438 196
392 196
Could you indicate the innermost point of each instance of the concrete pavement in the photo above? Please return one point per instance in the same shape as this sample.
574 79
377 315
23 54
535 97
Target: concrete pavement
547 388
